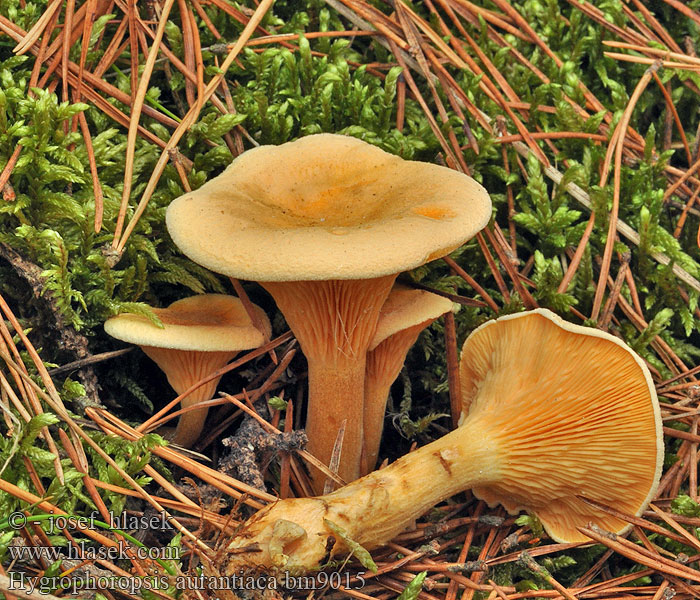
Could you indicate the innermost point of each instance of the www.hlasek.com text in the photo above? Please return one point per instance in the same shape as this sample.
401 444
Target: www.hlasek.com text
80 550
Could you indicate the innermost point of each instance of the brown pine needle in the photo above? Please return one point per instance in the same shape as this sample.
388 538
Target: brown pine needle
97 192
689 539
639 554
552 135
190 118
65 48
606 317
88 22
658 52
136 107
419 97
436 52
684 10
36 31
472 283
188 47
7 171
643 60
619 144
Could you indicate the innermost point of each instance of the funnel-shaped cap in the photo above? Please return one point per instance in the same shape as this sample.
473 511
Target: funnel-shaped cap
326 207
573 412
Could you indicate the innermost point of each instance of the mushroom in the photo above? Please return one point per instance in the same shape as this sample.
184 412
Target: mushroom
552 412
403 316
200 334
325 223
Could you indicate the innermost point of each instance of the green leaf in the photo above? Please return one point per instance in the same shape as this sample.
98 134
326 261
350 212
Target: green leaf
356 549
414 588
276 403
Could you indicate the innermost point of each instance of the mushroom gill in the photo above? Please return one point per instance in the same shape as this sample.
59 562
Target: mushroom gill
552 411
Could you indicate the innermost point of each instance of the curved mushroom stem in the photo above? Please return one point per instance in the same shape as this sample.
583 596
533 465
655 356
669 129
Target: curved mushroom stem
334 322
383 366
553 414
184 368
293 534
527 458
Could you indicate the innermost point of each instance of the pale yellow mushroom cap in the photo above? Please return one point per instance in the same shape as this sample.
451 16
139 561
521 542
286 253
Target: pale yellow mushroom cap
406 307
204 323
326 207
574 412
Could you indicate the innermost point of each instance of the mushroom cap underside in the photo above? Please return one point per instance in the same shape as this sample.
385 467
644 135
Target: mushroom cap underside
333 206
204 323
406 307
575 414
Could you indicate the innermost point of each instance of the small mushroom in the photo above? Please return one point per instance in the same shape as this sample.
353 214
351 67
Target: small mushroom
404 315
200 334
325 223
552 412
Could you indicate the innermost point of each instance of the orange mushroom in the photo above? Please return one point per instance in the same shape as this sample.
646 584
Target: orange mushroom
200 334
404 315
326 223
552 412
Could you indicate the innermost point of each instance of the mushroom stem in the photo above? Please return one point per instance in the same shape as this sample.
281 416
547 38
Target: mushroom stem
334 322
371 510
183 368
383 366
337 396
191 423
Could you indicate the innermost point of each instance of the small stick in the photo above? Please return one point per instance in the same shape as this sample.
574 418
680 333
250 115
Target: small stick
90 360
